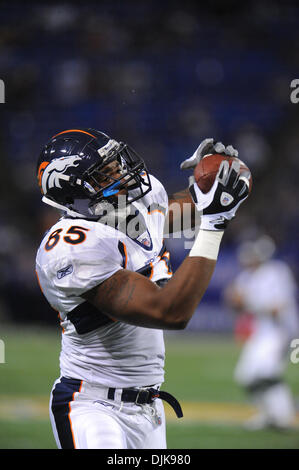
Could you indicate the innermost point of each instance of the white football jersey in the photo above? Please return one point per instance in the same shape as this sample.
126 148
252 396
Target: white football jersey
270 287
75 255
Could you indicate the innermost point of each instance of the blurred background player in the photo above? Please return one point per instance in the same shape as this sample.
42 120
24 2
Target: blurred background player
266 290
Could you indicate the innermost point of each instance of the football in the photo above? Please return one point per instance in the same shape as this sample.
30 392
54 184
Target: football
206 170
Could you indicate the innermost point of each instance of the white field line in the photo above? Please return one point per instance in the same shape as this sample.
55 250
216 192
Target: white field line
37 408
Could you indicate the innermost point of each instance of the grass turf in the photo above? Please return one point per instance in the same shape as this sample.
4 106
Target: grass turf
198 369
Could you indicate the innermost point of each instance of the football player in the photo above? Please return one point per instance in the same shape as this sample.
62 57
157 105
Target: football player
265 289
105 270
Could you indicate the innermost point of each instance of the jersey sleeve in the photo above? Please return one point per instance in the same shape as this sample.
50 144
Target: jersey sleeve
86 271
160 195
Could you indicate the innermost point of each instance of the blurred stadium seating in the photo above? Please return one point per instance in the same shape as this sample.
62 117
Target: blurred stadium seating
162 76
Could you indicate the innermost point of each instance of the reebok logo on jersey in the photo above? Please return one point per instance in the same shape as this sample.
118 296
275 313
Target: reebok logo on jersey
65 271
226 199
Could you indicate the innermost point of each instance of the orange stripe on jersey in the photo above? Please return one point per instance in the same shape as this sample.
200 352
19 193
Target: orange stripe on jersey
155 207
69 414
60 319
126 255
152 271
166 255
155 210
123 251
74 130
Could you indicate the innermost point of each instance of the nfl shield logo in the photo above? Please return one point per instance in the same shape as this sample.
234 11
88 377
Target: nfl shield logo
145 242
226 199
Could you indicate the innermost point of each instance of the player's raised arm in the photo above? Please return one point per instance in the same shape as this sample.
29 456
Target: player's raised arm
129 297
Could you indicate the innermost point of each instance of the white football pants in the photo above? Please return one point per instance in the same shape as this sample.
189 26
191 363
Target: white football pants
81 419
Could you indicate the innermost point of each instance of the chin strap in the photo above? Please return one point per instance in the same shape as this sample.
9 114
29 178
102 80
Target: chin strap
70 212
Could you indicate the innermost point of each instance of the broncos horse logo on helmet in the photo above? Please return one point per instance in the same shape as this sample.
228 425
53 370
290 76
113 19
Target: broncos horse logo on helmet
49 175
80 169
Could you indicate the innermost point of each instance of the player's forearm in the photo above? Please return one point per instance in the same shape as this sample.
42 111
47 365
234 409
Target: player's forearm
179 299
132 298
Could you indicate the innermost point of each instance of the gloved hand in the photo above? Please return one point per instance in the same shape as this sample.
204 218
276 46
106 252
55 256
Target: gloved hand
221 203
207 147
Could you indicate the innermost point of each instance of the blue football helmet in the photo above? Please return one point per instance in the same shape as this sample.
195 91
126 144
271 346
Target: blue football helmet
81 170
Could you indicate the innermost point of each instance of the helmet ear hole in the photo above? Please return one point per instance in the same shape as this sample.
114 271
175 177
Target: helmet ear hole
73 180
69 200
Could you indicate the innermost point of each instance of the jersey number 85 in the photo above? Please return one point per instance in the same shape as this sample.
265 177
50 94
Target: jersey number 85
74 236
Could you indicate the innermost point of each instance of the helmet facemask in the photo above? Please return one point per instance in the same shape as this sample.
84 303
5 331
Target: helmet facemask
116 181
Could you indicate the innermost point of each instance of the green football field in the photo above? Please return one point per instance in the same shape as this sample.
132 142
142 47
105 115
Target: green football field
199 373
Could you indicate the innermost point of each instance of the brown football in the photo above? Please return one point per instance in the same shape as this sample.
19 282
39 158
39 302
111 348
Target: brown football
206 170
